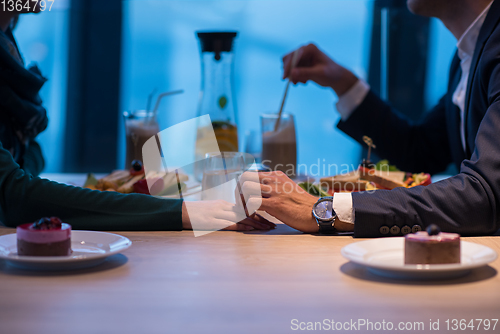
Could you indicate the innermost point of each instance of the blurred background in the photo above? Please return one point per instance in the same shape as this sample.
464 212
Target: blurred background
106 57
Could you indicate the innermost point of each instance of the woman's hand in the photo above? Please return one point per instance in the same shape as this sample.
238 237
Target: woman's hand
313 64
220 215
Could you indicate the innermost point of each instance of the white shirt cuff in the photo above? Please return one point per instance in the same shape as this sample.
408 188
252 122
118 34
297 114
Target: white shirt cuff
349 101
342 205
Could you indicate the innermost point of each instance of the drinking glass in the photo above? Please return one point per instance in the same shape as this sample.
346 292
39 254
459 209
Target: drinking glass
220 175
253 144
140 125
279 146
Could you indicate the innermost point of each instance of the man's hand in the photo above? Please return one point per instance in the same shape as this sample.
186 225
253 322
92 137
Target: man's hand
285 200
315 65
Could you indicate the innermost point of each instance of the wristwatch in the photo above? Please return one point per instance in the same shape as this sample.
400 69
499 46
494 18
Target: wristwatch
325 215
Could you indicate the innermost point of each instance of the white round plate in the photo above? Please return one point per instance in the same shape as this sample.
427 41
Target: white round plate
385 257
89 249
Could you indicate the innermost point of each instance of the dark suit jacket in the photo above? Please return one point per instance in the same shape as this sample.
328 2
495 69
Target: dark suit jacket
468 203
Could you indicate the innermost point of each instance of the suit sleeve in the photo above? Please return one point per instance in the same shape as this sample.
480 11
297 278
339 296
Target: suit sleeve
467 203
25 198
411 146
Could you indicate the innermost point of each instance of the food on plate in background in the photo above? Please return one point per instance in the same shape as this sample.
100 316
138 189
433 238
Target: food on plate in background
137 181
46 237
313 189
382 176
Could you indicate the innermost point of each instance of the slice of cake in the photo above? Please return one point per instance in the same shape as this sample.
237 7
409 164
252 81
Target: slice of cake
46 237
432 247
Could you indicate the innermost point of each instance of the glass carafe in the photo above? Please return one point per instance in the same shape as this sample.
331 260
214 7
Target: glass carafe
216 96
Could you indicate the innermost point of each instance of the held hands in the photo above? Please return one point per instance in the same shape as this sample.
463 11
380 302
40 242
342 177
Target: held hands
272 192
316 66
285 200
219 214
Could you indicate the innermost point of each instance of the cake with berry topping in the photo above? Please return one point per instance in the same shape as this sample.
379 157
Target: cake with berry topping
432 247
46 237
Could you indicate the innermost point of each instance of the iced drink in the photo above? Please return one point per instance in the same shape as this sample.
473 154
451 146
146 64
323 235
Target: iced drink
138 129
279 148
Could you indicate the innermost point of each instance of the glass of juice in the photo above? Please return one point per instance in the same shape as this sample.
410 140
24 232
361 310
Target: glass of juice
226 134
140 125
279 145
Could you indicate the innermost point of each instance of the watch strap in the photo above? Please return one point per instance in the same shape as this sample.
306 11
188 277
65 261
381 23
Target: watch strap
327 227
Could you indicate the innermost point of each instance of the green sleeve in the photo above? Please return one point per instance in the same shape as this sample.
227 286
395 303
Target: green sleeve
33 161
25 198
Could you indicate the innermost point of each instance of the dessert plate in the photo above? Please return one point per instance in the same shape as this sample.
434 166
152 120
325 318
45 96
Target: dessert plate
89 249
385 257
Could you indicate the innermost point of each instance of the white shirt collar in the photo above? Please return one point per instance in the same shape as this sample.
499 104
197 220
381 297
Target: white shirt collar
467 42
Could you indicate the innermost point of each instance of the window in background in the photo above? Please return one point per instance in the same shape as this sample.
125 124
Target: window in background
442 47
42 38
160 51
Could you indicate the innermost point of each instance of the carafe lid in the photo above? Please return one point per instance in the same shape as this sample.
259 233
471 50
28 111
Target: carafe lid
213 41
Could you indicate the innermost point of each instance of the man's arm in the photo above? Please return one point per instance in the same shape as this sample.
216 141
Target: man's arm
411 146
417 147
467 203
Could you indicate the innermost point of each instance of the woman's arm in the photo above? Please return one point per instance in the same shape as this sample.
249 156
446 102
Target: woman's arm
25 198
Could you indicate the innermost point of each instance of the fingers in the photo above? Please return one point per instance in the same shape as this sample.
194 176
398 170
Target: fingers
239 227
266 204
305 57
233 215
286 65
304 74
263 220
291 60
312 64
262 177
252 194
252 189
249 225
244 193
257 224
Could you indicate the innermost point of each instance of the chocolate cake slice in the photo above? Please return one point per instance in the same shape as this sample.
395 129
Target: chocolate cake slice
46 237
432 247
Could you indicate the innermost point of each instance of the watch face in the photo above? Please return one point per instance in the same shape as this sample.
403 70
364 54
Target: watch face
324 210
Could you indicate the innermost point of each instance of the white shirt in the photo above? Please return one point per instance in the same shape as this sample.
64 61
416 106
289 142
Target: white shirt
348 102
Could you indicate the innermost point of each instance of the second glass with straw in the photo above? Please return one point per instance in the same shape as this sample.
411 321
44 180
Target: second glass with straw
279 143
140 125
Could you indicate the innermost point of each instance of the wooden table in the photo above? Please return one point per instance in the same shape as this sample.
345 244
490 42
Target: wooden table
230 282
